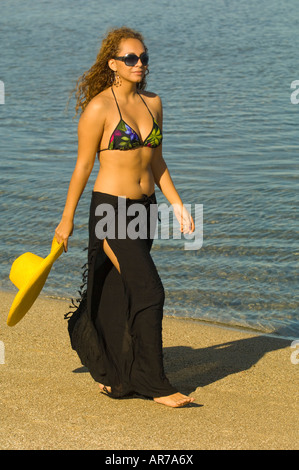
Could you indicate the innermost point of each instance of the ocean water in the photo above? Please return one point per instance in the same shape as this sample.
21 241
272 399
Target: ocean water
224 71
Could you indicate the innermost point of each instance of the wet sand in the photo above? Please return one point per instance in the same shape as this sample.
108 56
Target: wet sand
244 384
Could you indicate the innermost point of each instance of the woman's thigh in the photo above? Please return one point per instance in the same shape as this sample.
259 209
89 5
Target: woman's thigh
111 255
134 262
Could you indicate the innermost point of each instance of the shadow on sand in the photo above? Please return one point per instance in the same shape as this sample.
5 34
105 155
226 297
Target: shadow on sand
191 368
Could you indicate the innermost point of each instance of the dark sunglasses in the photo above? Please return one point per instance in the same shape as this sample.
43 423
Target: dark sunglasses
132 59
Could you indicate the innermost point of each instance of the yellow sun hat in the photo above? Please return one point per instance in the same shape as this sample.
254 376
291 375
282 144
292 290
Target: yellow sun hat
29 273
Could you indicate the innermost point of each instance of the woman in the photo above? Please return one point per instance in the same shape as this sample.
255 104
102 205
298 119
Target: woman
117 328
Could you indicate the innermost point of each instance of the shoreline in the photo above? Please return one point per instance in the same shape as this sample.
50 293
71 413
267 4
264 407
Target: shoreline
244 385
241 328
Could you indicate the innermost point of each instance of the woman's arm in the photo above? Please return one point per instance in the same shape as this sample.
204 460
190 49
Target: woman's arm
165 183
163 179
90 129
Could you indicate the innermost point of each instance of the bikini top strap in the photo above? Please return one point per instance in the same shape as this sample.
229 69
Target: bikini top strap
145 105
116 103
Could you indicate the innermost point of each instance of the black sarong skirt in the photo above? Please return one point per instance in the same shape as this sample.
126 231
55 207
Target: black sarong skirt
117 328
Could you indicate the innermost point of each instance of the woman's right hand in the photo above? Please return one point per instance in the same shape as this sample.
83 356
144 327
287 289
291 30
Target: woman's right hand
63 231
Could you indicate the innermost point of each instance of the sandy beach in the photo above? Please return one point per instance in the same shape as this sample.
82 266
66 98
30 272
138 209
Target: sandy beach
244 384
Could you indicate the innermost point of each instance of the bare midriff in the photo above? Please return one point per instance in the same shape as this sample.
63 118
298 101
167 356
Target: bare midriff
126 173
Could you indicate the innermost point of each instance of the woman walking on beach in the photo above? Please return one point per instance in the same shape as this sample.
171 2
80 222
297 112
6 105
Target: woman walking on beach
117 328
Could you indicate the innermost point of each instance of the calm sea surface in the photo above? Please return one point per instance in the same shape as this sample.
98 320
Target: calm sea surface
224 71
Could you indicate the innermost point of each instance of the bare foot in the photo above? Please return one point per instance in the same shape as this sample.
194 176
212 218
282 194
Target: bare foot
176 400
105 388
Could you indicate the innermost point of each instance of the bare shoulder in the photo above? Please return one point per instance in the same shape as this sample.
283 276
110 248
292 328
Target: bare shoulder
97 106
96 112
153 100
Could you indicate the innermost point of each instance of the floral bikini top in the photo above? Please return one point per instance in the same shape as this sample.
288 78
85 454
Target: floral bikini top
125 138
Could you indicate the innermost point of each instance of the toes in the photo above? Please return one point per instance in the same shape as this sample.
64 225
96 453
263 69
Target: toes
176 400
104 388
185 401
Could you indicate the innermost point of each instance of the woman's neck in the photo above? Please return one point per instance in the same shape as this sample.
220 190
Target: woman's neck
126 90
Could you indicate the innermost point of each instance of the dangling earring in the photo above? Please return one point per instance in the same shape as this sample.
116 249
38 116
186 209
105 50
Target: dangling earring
117 80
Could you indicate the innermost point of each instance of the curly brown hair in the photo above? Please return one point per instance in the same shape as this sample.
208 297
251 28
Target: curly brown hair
100 76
